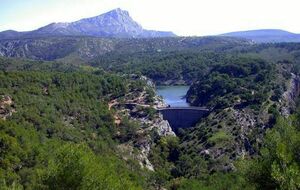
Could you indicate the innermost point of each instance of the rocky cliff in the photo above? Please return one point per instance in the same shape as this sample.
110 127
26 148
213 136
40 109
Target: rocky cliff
116 23
136 107
288 101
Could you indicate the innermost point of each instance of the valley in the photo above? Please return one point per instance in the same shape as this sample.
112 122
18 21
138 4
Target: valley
244 88
102 103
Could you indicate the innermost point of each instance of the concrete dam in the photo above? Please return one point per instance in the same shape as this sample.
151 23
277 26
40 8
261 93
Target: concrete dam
183 117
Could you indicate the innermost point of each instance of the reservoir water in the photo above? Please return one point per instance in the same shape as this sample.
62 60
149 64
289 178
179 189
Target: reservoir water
173 95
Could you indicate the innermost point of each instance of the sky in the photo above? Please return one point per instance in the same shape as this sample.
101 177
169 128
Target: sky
183 17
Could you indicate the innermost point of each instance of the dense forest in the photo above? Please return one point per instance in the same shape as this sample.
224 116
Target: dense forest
58 131
60 134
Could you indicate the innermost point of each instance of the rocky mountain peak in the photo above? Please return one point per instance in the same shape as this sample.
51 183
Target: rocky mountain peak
116 23
118 12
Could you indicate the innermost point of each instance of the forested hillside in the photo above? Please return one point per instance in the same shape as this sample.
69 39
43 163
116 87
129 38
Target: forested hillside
79 113
82 49
57 132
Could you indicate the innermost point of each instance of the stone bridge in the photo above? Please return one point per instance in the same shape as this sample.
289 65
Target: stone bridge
182 117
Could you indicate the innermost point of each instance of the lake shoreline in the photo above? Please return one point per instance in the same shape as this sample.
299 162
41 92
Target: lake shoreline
173 95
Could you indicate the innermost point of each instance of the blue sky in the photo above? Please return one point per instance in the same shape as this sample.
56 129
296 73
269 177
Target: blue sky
184 17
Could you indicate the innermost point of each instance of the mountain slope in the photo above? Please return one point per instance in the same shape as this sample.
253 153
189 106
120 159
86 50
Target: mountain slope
87 48
113 24
266 36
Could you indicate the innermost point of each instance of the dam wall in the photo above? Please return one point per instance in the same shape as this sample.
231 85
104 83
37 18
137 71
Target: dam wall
183 117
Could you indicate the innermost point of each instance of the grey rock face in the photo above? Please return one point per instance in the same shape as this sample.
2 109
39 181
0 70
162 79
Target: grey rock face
290 95
114 24
163 128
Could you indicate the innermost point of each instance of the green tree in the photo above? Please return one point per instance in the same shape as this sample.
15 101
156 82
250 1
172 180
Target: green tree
77 167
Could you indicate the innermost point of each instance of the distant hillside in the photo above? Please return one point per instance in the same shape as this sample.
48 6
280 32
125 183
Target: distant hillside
78 49
266 36
113 24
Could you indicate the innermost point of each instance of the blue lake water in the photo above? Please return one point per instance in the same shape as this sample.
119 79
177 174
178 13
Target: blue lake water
173 95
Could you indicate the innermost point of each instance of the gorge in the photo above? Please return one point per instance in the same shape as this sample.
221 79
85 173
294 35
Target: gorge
81 108
178 112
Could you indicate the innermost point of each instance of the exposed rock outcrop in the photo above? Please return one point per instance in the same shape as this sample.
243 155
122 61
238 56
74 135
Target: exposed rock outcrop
145 142
290 95
136 107
6 107
163 127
